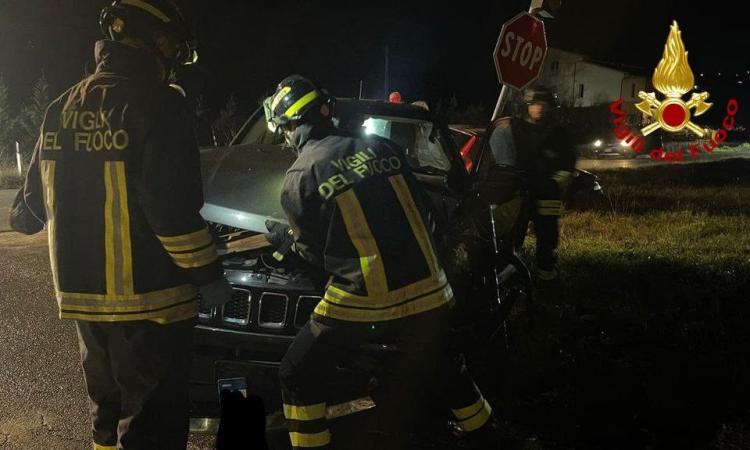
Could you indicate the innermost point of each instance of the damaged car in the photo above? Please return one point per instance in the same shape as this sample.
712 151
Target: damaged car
247 337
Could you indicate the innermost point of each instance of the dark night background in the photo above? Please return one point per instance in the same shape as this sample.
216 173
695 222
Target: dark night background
437 50
640 347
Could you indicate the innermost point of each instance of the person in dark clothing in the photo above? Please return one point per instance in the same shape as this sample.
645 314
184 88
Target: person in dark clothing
540 146
356 210
115 177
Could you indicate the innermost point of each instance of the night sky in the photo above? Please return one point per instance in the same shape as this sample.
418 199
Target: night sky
436 50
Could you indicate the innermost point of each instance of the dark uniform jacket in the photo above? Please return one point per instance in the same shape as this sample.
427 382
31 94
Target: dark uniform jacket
356 210
115 176
545 151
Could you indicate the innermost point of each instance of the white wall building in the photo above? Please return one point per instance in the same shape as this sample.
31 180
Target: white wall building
581 82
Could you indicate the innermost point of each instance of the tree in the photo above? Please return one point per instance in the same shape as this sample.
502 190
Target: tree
225 126
31 116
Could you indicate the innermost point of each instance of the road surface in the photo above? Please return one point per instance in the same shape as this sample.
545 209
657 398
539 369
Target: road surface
643 161
42 398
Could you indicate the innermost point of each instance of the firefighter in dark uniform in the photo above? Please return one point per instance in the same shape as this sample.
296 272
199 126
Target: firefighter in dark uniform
539 145
115 177
356 210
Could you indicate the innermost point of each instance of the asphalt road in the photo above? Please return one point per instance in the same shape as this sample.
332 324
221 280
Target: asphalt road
42 397
642 161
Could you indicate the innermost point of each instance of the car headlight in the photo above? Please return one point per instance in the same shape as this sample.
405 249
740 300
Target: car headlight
598 143
623 143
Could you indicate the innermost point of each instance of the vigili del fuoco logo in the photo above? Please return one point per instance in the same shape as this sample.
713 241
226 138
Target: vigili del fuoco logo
673 79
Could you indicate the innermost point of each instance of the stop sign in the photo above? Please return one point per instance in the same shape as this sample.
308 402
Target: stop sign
520 51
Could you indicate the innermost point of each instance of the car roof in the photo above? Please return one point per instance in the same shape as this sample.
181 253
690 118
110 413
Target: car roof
346 106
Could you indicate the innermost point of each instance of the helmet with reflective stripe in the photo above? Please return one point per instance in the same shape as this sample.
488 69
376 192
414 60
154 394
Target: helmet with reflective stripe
295 97
136 18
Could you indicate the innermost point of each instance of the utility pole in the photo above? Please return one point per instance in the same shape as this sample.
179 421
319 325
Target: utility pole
387 84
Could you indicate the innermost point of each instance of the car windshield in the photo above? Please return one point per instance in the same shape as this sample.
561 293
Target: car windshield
416 137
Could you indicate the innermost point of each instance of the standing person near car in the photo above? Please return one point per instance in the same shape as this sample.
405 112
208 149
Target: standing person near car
537 144
115 177
356 210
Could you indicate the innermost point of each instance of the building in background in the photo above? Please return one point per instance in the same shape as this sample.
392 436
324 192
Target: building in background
581 82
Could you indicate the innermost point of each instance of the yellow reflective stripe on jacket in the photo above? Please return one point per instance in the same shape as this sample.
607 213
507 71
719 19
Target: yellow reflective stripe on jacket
550 211
191 250
109 240
186 242
127 250
550 207
307 440
195 259
301 103
48 169
117 241
309 412
469 411
173 314
104 447
337 295
184 239
478 420
415 221
131 302
370 259
415 306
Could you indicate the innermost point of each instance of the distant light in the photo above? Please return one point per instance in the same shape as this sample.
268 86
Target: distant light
739 82
598 143
736 74
747 72
719 73
695 87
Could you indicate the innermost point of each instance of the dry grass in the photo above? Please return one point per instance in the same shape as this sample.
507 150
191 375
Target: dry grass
643 343
9 177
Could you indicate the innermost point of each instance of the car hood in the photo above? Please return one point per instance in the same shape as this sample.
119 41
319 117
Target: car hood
242 184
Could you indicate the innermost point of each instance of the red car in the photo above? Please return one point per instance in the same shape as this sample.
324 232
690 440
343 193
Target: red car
469 140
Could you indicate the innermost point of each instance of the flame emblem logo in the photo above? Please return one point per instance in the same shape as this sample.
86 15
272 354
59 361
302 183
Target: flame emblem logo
673 78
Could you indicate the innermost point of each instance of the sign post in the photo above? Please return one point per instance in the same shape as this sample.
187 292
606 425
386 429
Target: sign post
519 53
18 158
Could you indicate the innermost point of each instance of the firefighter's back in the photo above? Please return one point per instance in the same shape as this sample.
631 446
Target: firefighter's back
108 262
378 246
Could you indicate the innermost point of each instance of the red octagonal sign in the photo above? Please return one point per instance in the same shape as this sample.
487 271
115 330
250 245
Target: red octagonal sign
520 51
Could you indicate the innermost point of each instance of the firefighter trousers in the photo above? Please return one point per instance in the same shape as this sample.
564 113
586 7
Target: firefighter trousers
431 369
547 207
137 376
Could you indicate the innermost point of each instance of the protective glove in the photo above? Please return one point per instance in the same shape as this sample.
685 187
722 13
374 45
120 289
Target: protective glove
280 237
278 233
216 294
563 179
